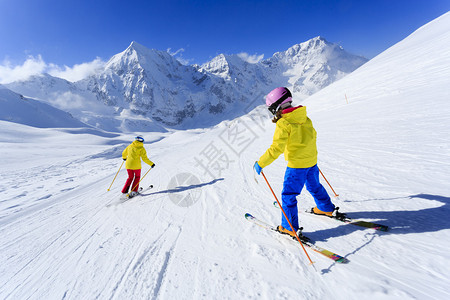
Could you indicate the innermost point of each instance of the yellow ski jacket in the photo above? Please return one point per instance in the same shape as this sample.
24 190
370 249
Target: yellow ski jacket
296 137
133 154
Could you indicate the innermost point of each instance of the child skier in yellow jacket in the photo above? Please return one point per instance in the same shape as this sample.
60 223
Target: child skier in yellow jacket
132 155
294 136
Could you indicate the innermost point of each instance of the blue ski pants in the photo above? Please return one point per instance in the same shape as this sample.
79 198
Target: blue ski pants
294 180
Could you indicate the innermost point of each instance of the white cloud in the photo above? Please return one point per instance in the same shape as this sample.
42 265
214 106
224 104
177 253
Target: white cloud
253 59
67 101
77 72
36 65
31 66
180 57
169 50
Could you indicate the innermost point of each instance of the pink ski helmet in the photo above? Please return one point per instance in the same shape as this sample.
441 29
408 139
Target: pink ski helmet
277 97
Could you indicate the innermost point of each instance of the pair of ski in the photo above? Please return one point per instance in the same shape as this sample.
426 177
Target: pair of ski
131 195
343 218
125 197
309 243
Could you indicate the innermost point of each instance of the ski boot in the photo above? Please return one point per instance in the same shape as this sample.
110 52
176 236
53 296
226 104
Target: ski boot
283 230
332 214
135 193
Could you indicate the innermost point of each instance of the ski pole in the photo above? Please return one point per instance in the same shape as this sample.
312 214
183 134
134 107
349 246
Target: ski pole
115 176
290 224
335 195
139 181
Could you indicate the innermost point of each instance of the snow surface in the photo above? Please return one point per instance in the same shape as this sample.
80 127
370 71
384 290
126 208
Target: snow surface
383 137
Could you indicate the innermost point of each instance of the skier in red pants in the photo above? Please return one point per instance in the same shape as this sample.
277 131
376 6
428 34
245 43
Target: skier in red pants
132 155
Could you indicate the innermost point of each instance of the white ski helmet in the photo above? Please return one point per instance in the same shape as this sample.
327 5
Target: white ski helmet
139 138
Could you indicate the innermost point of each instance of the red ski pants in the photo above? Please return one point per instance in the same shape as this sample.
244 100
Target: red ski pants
134 176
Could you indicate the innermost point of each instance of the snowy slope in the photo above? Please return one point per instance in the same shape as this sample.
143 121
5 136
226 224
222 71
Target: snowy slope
386 152
18 109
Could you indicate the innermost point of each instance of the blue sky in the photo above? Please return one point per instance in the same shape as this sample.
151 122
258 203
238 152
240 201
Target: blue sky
67 32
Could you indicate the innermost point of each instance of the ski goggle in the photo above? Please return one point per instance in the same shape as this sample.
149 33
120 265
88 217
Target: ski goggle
139 139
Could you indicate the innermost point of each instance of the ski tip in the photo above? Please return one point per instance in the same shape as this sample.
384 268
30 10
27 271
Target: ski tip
342 260
382 228
248 216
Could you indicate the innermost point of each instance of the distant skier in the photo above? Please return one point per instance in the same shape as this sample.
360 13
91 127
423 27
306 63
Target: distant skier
296 137
132 155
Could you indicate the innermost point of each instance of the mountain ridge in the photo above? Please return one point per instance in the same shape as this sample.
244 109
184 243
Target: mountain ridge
152 85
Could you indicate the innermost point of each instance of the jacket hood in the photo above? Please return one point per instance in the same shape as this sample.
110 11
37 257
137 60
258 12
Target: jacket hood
137 144
295 116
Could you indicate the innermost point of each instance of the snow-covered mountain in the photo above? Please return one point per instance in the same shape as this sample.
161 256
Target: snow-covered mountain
244 76
43 86
18 109
385 150
310 66
152 85
80 102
